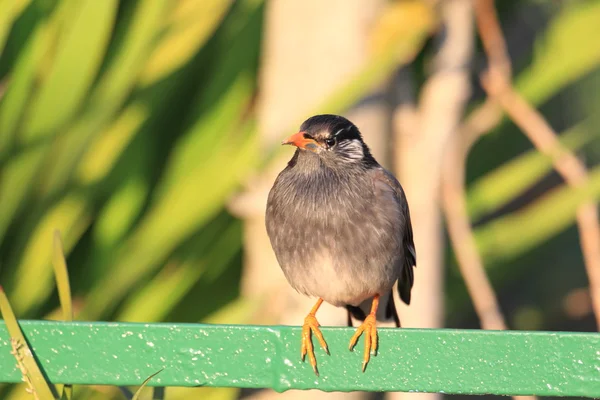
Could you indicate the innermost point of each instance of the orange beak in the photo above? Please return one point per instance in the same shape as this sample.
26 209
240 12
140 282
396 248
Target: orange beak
298 140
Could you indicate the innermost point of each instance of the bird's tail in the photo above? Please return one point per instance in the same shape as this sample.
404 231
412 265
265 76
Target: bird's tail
385 313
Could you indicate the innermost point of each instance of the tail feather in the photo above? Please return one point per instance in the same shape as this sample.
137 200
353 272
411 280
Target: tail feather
392 311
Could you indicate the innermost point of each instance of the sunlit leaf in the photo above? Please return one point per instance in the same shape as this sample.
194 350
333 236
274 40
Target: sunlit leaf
64 294
508 181
189 199
110 93
518 232
170 286
34 280
75 65
188 204
15 183
11 9
190 25
202 139
104 151
120 212
78 57
62 277
21 83
136 47
23 353
567 50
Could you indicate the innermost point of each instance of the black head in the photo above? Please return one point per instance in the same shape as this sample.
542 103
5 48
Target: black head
333 138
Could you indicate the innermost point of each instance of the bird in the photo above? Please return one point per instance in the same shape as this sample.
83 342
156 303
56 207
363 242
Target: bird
339 225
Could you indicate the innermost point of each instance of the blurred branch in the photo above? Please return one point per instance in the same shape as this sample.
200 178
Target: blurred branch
454 192
454 203
481 121
459 228
498 86
422 135
492 38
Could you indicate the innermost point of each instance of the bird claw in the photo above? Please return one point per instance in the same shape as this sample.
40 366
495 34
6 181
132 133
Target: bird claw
369 327
310 326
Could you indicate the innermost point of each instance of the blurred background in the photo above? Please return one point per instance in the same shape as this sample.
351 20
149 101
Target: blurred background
148 131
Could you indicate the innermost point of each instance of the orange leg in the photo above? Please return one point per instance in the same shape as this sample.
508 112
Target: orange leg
311 325
369 327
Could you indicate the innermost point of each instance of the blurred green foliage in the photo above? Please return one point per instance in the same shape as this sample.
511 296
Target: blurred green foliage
126 125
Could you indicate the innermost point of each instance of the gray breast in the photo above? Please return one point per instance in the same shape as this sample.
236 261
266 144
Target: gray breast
335 236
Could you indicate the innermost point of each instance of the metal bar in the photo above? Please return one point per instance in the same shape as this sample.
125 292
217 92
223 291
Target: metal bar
411 360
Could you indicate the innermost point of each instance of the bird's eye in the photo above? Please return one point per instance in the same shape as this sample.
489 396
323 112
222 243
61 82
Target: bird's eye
330 142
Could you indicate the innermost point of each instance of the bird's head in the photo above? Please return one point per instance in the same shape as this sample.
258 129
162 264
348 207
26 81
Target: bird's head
333 138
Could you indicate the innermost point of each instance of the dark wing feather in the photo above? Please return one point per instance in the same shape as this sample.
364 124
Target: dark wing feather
405 283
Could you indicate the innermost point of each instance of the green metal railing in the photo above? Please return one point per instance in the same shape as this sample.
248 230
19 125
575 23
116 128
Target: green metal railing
411 360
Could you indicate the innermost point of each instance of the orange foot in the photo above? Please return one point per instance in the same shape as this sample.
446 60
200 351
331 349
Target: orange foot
311 325
369 327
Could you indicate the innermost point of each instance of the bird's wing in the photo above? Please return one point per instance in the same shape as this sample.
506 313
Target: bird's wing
389 182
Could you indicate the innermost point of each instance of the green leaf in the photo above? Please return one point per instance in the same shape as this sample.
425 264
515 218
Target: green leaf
64 294
203 138
132 55
105 149
23 353
74 66
189 26
237 312
78 58
520 231
186 206
138 392
567 50
11 10
33 284
120 212
183 202
16 180
109 95
175 281
21 84
62 277
510 180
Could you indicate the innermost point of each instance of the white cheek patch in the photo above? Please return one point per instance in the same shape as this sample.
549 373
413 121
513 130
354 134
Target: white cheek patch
351 149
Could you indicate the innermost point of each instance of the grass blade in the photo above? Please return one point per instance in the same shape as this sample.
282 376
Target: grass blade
139 391
64 294
34 282
62 277
32 373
